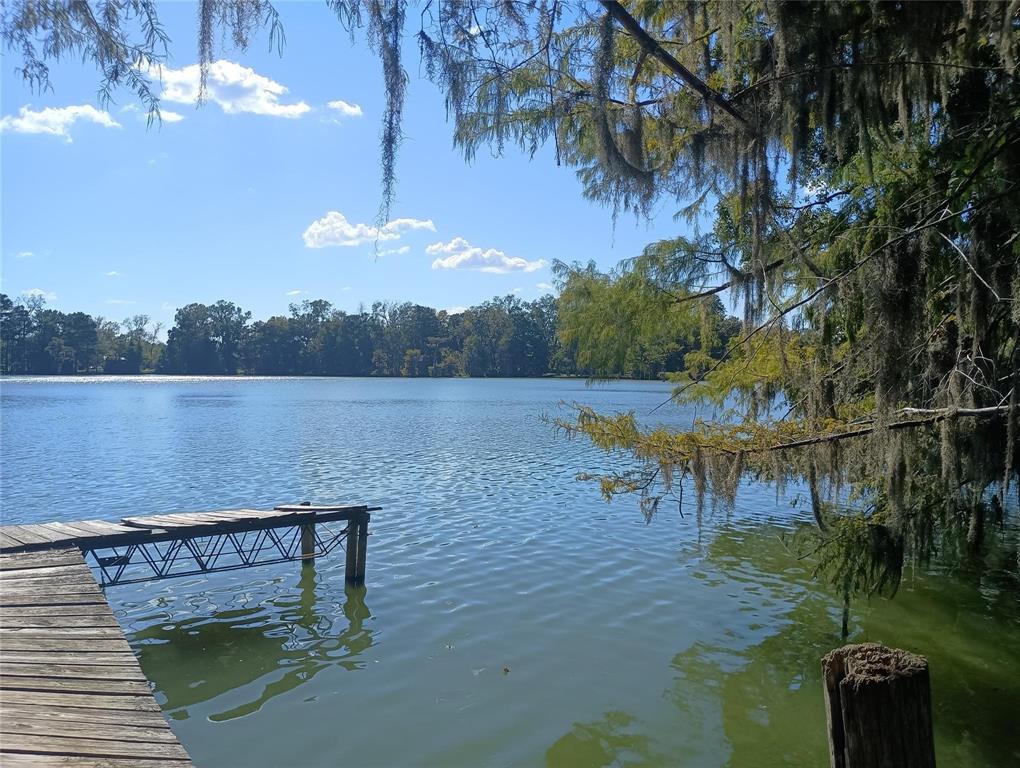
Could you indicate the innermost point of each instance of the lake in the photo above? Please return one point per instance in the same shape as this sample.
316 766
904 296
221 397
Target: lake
511 617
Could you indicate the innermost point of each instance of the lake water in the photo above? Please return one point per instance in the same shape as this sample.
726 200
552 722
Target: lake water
511 617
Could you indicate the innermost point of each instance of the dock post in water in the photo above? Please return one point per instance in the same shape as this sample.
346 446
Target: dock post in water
357 548
363 518
307 539
878 708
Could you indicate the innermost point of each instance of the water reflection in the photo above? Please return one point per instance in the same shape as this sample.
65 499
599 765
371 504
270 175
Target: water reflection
749 693
260 652
615 739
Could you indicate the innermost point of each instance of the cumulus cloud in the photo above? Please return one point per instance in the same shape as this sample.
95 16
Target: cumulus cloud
460 254
166 115
48 295
345 108
113 273
24 255
233 87
396 251
544 288
455 310
334 229
56 121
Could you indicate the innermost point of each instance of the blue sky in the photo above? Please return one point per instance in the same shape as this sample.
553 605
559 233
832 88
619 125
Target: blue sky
266 196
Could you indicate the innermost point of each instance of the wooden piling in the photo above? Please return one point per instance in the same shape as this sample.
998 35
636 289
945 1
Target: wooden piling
351 545
308 542
363 519
307 539
878 708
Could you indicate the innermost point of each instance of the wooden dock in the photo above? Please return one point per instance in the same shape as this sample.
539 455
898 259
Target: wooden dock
71 689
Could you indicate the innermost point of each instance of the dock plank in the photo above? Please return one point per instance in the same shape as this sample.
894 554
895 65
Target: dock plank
114 658
23 759
66 745
27 561
83 715
25 535
83 671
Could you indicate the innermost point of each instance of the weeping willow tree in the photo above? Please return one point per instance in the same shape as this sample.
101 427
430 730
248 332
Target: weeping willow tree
851 170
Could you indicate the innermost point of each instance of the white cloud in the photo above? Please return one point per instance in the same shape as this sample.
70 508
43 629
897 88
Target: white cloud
295 292
56 121
234 87
334 229
401 225
113 273
48 295
545 288
344 108
396 251
455 310
460 254
24 255
166 115
120 301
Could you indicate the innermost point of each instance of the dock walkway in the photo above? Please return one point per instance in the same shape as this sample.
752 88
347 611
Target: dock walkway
71 689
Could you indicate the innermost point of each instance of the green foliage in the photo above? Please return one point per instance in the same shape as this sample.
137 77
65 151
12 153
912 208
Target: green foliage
501 337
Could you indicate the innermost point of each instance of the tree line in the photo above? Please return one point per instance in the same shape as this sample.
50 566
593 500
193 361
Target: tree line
504 336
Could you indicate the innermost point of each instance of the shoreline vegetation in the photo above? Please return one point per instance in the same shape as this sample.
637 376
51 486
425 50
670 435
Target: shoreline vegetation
504 337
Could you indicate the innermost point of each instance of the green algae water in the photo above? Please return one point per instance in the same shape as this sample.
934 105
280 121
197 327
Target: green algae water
510 618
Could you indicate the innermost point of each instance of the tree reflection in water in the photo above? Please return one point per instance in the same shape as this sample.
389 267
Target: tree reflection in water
267 650
748 692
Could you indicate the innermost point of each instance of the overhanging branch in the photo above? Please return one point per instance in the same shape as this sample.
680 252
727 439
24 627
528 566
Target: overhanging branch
655 48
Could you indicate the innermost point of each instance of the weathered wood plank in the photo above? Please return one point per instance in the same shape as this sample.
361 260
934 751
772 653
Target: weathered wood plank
12 561
43 589
86 685
8 542
22 759
55 622
58 745
34 656
91 701
53 583
33 712
79 645
80 671
103 527
40 598
20 723
25 535
91 609
321 508
44 572
56 633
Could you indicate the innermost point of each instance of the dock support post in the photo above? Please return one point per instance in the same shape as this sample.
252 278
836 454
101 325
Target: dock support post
307 539
362 547
308 542
878 708
351 545
357 548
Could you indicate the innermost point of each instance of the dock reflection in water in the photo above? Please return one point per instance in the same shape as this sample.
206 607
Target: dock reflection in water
254 653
